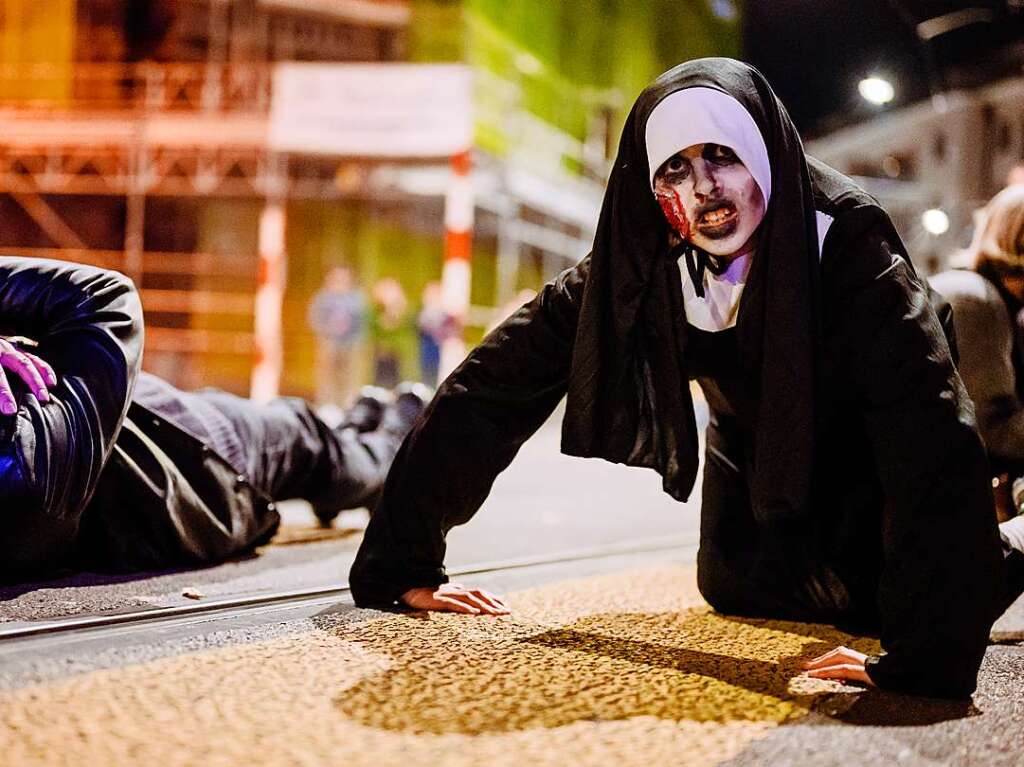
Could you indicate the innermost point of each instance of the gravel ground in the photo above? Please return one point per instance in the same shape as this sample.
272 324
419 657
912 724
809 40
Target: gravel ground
626 667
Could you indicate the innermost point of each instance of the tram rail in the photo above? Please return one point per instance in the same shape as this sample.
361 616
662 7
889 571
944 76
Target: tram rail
230 606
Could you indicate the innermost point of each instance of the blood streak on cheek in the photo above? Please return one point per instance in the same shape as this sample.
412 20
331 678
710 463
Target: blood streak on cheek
672 206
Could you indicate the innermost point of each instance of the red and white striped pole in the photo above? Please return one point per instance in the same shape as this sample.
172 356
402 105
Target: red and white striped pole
269 342
458 246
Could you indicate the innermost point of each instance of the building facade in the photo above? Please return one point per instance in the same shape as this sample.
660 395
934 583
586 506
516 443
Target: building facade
134 134
950 153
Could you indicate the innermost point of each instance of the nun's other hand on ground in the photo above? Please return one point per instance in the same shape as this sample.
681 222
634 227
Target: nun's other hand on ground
841 663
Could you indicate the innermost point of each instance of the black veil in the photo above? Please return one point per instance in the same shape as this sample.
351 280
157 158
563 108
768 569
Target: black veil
628 396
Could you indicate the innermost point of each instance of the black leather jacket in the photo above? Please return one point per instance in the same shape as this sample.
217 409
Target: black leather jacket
99 474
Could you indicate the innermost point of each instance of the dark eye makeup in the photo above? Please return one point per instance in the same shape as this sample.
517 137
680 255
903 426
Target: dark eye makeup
722 155
676 164
679 166
1008 270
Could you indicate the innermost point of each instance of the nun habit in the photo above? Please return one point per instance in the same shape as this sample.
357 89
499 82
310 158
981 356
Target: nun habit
844 479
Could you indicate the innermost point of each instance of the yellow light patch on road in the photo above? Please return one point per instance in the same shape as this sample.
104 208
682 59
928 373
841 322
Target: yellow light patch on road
622 669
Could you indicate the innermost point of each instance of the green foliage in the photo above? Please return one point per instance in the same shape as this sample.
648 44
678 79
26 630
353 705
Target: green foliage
569 58
576 65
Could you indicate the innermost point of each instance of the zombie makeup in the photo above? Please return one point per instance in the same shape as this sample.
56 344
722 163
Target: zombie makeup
671 203
709 169
710 198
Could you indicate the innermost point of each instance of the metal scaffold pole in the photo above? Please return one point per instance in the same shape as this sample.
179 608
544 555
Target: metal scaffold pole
273 267
135 213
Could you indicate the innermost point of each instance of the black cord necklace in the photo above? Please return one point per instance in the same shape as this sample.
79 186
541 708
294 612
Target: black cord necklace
697 261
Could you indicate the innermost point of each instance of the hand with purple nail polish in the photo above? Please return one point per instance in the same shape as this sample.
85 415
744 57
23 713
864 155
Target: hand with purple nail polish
37 375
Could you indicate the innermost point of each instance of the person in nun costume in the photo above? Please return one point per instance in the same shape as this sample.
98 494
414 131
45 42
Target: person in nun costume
844 479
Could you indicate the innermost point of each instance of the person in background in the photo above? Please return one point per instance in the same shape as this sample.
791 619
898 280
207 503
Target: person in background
435 325
1015 175
337 315
987 296
391 332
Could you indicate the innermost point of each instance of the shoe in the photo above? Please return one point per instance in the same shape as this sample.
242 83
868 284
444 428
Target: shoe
410 401
394 413
367 411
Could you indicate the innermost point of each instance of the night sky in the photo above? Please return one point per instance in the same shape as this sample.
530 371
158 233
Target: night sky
815 51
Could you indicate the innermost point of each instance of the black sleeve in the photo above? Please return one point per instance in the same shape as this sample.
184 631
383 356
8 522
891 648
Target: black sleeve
88 324
473 428
942 570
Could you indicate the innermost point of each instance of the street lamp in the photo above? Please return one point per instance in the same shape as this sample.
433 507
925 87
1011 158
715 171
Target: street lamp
876 90
935 221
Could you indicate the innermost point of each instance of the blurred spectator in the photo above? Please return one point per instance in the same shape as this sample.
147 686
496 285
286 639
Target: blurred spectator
391 331
435 325
987 295
338 317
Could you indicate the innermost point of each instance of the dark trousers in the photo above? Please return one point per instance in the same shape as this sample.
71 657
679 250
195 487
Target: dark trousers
744 569
283 448
125 468
192 479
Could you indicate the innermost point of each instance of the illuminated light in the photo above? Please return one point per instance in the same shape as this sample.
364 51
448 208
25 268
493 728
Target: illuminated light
349 177
935 221
876 90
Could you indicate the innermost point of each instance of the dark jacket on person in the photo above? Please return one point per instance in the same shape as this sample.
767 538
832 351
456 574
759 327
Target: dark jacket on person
118 470
863 459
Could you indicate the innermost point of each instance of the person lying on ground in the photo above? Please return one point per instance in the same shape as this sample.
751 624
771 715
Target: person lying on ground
107 467
844 478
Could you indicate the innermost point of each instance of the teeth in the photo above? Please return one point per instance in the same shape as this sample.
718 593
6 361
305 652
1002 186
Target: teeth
716 216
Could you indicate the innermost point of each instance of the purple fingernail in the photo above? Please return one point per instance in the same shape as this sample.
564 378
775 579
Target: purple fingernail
9 408
44 396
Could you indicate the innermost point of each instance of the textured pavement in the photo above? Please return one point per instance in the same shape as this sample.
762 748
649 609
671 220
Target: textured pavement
616 661
614 669
619 668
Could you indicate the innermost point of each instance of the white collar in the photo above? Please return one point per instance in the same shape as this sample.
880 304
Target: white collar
719 307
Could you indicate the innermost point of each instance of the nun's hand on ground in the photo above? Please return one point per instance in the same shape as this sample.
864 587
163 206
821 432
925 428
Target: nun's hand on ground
842 663
35 372
451 597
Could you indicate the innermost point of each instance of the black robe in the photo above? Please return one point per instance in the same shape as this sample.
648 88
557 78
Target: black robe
861 461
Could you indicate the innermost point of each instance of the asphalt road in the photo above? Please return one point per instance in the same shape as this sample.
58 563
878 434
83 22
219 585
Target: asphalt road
614 660
544 503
